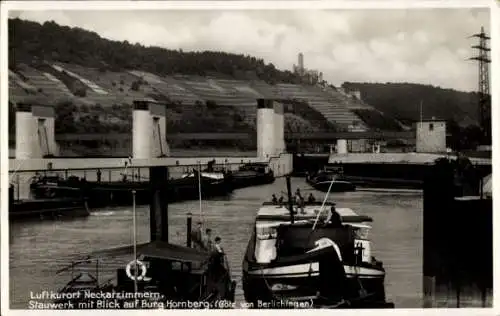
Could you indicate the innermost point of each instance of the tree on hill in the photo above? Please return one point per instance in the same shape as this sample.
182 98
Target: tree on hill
50 41
402 101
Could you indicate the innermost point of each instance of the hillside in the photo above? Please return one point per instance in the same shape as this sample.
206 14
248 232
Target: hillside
50 41
402 101
93 81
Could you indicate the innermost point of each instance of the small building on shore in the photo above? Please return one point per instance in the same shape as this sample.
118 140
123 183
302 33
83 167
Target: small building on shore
431 136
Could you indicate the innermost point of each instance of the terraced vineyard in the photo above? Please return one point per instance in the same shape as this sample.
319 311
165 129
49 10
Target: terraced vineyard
195 103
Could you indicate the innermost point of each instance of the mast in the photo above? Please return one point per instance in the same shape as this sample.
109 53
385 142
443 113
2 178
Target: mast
421 112
199 189
290 202
134 224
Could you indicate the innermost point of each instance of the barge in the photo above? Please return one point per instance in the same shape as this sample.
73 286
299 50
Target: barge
49 208
295 255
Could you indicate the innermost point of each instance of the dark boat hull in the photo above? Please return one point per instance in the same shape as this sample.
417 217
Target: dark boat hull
48 209
338 186
256 289
102 194
244 179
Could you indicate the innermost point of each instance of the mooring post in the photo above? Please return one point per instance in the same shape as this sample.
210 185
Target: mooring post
18 184
484 295
188 229
11 197
158 207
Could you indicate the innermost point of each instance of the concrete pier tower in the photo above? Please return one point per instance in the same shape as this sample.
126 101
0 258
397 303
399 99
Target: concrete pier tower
342 146
279 125
35 136
265 128
149 135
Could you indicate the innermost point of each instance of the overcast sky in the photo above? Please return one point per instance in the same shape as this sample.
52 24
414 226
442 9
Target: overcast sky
428 46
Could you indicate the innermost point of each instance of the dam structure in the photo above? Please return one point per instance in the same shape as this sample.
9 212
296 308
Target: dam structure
36 147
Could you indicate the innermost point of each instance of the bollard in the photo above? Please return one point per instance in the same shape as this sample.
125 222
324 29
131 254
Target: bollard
11 197
188 229
290 201
158 206
484 295
18 184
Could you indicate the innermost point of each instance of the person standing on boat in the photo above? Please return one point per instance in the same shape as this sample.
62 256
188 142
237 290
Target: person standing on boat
218 271
208 243
333 217
299 199
274 199
311 198
217 245
196 236
218 254
280 200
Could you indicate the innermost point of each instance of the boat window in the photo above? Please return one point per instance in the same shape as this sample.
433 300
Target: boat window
362 233
264 233
177 265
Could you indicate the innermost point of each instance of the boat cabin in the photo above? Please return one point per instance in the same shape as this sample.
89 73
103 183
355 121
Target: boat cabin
209 175
333 169
273 224
256 166
179 273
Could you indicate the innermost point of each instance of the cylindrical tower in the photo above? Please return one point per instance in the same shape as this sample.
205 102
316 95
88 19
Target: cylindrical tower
25 133
265 128
142 132
341 146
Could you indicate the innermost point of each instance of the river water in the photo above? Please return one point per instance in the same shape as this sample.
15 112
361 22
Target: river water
39 249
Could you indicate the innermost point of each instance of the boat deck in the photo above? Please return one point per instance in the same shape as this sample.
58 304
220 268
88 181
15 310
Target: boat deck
272 212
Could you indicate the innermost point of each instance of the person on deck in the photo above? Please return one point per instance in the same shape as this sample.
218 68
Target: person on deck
218 246
333 218
281 199
218 271
274 199
299 200
218 253
196 237
208 243
311 198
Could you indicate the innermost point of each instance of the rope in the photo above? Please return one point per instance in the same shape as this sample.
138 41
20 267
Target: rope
322 205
